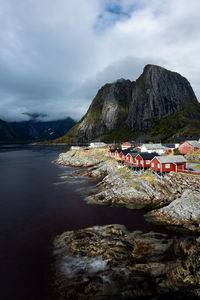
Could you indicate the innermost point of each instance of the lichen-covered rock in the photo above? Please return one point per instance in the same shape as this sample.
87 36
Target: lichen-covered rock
79 158
124 187
108 262
184 212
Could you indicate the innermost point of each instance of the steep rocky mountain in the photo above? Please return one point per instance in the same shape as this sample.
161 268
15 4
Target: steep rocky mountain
159 105
33 130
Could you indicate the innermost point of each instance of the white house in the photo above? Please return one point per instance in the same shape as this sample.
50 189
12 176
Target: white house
97 145
160 149
76 148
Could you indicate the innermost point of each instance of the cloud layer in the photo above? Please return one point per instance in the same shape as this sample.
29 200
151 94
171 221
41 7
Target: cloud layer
55 55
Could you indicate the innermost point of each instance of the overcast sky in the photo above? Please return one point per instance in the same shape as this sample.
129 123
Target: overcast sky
56 54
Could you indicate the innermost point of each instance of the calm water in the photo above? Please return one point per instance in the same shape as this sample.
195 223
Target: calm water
39 200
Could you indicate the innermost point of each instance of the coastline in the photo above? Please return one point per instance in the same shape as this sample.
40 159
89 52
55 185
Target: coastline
123 187
110 262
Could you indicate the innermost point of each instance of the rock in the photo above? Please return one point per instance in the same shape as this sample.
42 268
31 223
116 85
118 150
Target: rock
78 158
108 262
133 189
157 93
184 212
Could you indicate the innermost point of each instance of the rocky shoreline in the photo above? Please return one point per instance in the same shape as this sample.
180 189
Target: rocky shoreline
108 262
174 194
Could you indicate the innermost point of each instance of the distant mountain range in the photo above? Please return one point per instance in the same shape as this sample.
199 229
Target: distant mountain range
159 106
33 130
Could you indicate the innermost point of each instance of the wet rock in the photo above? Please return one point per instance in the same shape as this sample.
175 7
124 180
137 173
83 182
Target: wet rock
108 262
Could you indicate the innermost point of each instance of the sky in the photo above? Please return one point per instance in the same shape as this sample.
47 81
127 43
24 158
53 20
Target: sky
55 55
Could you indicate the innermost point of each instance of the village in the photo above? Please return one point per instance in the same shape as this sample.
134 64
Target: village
160 158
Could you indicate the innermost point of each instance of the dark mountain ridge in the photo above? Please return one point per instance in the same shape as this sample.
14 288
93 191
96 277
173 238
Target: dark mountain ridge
33 130
159 105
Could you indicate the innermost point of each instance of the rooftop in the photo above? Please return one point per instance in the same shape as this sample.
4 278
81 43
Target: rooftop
171 159
149 156
195 144
155 147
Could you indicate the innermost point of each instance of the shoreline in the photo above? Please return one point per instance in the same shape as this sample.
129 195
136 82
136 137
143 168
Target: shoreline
109 262
135 190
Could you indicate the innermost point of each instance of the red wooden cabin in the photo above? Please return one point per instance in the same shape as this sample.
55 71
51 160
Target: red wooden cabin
189 146
130 157
168 163
143 159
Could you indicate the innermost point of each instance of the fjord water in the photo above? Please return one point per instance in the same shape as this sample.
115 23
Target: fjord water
39 200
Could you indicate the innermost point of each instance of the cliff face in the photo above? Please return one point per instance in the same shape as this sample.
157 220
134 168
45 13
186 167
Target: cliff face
107 112
157 95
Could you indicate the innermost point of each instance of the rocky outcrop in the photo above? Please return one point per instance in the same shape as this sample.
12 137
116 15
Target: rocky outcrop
158 93
108 262
120 186
138 106
183 212
78 158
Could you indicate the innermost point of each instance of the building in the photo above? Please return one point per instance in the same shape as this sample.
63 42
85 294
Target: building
189 146
115 152
126 145
143 159
111 152
75 148
97 145
168 163
125 152
131 157
150 148
171 147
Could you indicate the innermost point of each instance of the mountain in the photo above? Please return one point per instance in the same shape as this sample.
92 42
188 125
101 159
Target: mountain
159 105
33 130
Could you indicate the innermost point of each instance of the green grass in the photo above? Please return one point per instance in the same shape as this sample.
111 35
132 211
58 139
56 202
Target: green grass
193 161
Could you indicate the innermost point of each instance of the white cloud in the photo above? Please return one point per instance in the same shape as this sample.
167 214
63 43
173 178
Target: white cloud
54 55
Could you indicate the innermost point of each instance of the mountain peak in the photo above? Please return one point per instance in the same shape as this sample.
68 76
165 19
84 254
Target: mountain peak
125 106
152 66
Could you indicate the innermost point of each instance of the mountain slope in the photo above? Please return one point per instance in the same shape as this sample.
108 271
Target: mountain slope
33 130
160 105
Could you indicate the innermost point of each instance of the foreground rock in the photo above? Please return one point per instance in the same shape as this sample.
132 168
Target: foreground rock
108 262
184 212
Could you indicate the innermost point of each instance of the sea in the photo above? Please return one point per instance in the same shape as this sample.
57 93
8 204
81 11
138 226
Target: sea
38 201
